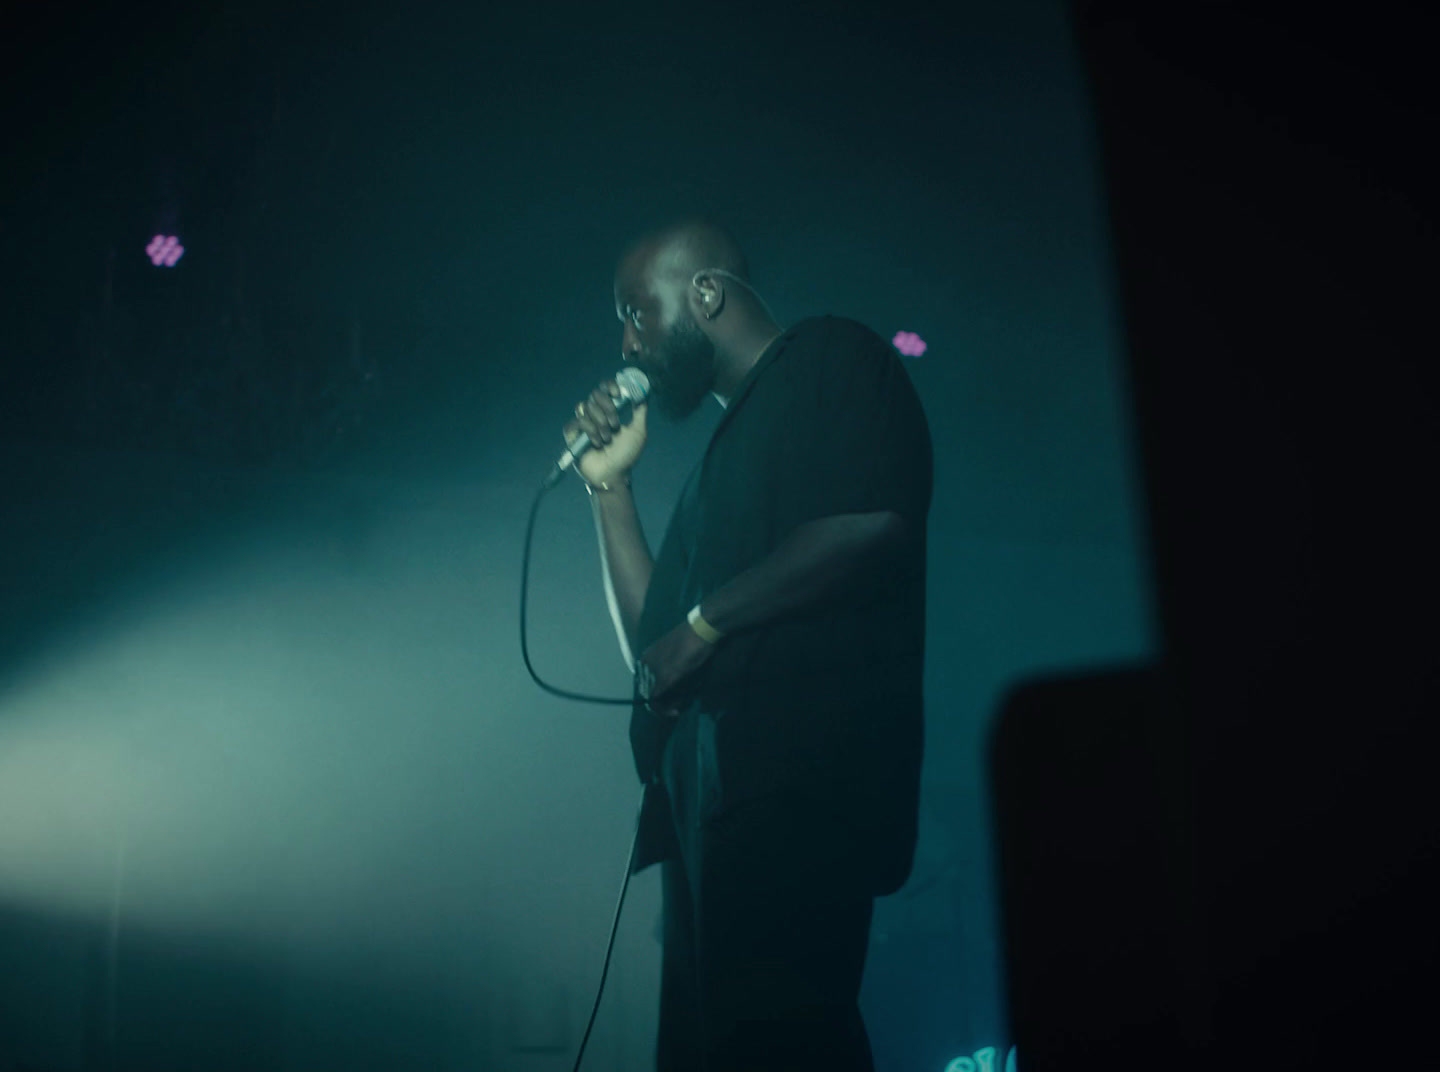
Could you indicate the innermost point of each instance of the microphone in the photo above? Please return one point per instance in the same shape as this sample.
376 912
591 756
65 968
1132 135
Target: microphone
634 386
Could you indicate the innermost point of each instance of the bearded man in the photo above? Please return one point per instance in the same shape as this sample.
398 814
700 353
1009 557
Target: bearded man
777 643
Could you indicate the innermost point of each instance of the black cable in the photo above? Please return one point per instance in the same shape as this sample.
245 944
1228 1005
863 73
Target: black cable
614 928
524 591
635 840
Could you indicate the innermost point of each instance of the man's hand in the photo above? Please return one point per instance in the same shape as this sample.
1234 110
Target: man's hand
615 447
666 666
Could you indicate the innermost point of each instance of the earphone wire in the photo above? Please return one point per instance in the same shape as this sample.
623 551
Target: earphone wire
736 279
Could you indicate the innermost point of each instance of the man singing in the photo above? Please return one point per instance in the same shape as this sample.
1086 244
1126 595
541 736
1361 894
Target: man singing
778 646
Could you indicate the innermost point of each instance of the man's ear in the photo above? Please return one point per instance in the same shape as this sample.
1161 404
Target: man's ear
707 295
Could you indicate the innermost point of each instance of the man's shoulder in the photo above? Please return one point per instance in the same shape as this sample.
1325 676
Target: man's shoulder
829 342
838 331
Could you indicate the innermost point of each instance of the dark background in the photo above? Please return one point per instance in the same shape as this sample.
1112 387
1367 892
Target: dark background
1228 857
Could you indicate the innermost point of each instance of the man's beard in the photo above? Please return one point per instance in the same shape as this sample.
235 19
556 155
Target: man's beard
687 370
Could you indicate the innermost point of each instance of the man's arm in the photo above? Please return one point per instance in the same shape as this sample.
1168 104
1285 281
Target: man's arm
817 560
625 562
825 557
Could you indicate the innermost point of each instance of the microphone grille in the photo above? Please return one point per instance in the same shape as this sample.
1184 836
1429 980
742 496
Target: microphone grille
634 384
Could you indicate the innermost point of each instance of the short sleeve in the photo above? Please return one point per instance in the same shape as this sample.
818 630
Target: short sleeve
856 439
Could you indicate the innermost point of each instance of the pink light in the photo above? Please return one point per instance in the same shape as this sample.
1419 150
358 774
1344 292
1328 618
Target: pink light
908 343
164 249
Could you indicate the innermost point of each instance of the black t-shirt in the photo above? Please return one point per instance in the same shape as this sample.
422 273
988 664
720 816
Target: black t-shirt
824 706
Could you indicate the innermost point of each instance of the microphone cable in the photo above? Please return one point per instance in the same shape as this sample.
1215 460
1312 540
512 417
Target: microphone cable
585 698
524 641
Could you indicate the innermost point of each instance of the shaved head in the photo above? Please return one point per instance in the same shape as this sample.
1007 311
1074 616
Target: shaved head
677 252
667 261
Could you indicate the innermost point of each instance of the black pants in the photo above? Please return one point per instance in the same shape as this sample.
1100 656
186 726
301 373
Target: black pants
765 933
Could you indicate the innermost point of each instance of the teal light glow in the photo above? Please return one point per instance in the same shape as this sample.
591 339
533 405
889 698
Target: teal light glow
983 1060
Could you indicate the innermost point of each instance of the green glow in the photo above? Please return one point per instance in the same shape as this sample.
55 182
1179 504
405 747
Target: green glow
983 1060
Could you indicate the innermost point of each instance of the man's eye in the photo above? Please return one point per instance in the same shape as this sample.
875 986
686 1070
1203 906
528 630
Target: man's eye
637 318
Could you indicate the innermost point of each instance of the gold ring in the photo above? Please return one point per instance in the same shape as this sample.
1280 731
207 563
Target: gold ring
580 409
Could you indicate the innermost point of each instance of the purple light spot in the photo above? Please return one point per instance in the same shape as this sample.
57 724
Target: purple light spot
164 249
908 343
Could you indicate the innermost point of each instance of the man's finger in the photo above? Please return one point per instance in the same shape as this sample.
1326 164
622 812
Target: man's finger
603 408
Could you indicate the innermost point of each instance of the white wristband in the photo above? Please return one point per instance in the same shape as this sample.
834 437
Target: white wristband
703 629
